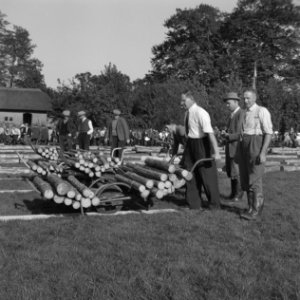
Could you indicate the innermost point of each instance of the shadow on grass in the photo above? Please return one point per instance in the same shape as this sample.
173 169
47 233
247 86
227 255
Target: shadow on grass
40 206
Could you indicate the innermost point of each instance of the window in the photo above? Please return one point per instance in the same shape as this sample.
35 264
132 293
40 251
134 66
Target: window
10 119
6 119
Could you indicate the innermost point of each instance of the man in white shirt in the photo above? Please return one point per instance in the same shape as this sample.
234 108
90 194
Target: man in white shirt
257 133
201 143
85 130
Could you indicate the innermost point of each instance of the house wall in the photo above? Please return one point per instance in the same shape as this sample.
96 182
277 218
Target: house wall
17 118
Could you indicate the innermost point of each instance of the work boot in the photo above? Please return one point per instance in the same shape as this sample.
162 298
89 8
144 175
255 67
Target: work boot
257 207
234 185
250 197
239 192
236 192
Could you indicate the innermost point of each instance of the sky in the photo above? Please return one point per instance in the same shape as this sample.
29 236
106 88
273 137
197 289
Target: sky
76 36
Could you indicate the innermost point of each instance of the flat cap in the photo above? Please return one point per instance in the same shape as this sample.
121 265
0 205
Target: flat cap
81 113
232 96
66 113
116 112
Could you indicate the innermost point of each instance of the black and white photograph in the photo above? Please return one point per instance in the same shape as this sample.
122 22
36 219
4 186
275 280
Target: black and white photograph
150 149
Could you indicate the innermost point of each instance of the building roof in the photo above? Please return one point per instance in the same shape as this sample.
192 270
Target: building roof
16 99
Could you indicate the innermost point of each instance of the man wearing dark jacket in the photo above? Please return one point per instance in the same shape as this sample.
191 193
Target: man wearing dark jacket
118 132
232 137
66 131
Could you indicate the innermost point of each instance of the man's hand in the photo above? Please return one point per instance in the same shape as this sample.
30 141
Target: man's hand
128 141
216 156
262 158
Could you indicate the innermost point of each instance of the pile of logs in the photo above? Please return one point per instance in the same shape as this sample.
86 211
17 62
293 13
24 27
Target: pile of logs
157 176
70 192
44 167
92 164
49 153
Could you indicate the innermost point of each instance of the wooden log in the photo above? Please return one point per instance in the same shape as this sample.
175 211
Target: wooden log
104 162
173 177
160 164
148 173
44 187
71 193
68 201
95 201
84 190
159 184
157 193
32 165
168 184
145 194
134 184
148 183
179 183
61 186
76 204
86 202
187 175
58 199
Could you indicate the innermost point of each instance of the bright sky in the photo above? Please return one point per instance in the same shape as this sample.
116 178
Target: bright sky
76 36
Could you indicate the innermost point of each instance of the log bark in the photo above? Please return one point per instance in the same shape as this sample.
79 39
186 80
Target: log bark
160 164
61 186
44 187
149 173
134 184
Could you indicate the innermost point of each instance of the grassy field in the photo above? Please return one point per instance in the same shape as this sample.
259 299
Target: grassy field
182 255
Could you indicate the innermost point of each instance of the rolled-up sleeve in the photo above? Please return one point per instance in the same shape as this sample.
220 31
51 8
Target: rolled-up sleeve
265 120
205 122
91 129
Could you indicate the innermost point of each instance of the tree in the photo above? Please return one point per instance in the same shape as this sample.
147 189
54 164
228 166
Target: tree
18 67
192 47
262 36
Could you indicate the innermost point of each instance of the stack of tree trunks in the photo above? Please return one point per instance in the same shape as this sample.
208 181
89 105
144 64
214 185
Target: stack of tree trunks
49 153
43 167
91 164
70 192
157 177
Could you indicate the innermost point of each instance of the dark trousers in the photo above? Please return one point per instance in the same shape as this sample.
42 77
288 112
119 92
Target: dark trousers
83 141
116 143
251 170
204 175
65 143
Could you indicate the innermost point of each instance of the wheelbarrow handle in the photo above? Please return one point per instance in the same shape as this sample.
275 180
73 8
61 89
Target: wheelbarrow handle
200 161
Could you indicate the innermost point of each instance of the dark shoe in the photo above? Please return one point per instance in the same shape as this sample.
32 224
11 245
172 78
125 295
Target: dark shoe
256 207
234 186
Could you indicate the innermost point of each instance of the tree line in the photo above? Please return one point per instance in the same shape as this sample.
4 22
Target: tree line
205 50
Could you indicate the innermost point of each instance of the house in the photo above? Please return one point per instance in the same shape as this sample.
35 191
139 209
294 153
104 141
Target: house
20 105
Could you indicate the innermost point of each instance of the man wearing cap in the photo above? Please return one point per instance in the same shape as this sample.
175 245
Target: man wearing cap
232 137
118 132
201 143
257 130
66 131
85 130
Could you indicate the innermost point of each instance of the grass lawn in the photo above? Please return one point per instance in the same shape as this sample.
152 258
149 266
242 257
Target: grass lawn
183 255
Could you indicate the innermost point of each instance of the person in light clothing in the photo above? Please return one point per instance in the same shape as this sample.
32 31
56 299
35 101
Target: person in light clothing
256 136
84 132
201 143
